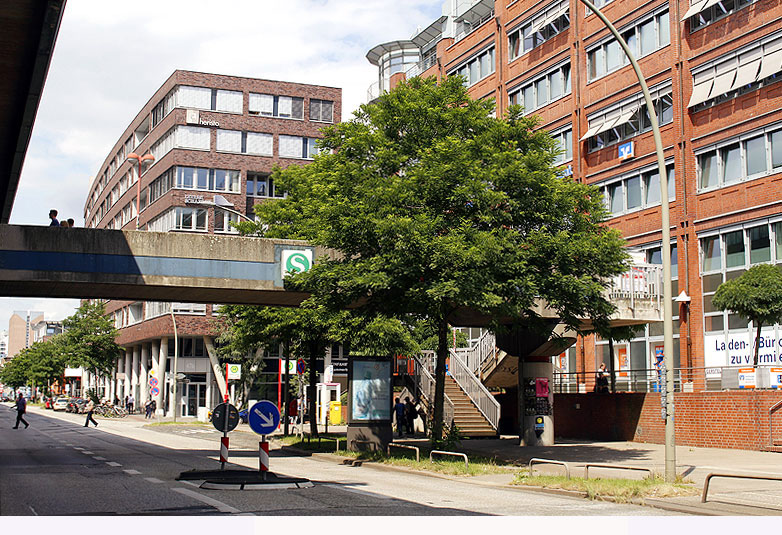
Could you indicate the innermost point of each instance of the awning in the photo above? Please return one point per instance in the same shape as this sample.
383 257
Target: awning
550 16
749 63
772 59
476 12
432 32
611 120
697 7
723 81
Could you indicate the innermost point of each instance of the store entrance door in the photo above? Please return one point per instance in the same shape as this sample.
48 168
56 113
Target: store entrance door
195 396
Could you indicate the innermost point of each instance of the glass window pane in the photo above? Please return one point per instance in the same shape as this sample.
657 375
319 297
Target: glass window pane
614 54
671 183
737 322
220 180
485 65
756 155
648 38
666 109
778 240
711 282
541 90
529 97
652 187
665 29
566 75
776 149
187 219
555 84
674 261
708 166
759 245
202 178
714 323
474 72
615 194
734 249
712 259
731 163
633 192
201 219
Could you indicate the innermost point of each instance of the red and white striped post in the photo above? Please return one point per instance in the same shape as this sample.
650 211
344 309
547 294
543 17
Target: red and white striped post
223 452
263 456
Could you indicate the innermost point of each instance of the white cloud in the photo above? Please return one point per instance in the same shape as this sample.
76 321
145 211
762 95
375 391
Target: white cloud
110 58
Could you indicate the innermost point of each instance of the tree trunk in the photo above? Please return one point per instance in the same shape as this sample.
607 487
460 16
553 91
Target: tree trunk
611 367
757 345
311 390
439 379
521 403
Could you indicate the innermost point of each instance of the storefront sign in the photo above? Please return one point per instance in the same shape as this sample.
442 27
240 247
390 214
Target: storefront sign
626 150
746 377
194 199
776 378
295 261
737 349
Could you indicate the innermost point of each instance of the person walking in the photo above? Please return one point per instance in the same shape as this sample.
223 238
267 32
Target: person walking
399 411
53 217
601 379
131 403
410 414
90 408
148 409
21 408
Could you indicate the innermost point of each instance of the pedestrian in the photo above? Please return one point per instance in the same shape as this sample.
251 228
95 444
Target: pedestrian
90 408
410 414
53 217
127 403
64 224
131 403
21 408
601 379
399 411
422 413
152 408
116 401
147 409
71 222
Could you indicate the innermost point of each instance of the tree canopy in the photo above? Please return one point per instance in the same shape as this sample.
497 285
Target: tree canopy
436 205
755 295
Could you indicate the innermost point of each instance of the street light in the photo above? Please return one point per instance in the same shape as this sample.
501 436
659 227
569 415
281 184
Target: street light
670 435
223 204
140 159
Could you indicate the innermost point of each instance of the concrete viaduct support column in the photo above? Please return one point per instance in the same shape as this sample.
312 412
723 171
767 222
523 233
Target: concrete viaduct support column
126 383
134 389
158 366
165 387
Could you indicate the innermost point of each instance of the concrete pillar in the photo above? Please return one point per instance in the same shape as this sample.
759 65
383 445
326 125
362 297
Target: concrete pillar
134 374
165 380
144 375
538 377
209 383
126 383
160 371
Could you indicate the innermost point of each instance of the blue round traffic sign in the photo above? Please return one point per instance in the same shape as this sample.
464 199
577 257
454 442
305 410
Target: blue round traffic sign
264 417
300 366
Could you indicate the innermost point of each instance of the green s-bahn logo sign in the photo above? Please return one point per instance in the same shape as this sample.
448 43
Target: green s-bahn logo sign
295 261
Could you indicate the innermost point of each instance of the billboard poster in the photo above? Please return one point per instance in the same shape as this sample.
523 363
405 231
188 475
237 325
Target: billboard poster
621 357
737 349
370 388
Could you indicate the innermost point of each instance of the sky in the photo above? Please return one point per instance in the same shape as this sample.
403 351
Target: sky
111 56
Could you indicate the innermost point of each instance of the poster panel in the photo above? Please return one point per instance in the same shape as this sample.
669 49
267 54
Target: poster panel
371 388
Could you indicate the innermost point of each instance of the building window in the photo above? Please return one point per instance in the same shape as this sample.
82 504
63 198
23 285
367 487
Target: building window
637 190
321 110
538 29
223 221
754 155
160 186
227 101
190 219
276 106
703 12
261 185
181 137
628 119
204 98
543 90
297 147
643 38
477 68
564 138
188 347
244 142
199 178
737 73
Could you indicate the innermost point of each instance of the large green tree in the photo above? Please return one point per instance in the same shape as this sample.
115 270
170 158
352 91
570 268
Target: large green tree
89 339
756 295
437 206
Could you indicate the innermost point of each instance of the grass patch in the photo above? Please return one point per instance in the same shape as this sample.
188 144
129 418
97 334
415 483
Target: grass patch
405 458
621 490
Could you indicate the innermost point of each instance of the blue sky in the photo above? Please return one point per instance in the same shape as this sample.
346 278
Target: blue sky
110 57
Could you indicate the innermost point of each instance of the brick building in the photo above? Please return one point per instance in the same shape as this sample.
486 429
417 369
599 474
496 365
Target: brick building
215 140
713 69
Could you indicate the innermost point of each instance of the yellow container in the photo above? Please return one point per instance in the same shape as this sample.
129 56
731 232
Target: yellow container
335 412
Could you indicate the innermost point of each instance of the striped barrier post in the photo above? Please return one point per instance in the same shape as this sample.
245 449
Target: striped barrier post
223 451
263 457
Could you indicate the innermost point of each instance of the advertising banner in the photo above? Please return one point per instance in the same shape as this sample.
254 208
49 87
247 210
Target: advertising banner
371 390
737 349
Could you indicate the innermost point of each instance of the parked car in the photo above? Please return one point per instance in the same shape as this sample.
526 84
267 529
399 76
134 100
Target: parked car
76 405
60 404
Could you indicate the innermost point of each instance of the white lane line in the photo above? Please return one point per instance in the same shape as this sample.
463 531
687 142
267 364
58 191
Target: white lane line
87 453
153 480
190 483
78 448
112 463
358 491
33 510
99 458
220 506
131 472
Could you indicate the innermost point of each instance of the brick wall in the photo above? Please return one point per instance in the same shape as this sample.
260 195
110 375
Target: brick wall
734 419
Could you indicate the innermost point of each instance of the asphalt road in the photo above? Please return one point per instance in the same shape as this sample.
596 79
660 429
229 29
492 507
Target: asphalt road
59 467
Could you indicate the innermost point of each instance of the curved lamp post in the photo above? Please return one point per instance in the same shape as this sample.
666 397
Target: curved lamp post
670 436
141 160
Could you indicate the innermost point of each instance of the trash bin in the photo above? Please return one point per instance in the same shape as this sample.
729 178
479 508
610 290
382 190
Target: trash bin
335 412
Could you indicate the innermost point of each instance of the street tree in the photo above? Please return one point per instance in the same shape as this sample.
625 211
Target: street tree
15 372
89 339
437 206
755 295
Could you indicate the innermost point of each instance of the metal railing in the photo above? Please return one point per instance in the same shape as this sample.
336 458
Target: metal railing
535 461
421 66
426 386
473 387
736 476
641 282
703 379
474 357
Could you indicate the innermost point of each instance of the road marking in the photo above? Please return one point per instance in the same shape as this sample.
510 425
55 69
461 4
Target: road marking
33 510
100 458
78 448
87 453
153 480
190 483
112 463
131 472
358 491
220 506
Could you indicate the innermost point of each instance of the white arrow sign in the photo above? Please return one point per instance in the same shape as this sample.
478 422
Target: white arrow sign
267 419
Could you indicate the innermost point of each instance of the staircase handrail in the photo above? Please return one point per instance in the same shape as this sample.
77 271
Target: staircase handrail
426 384
473 387
481 351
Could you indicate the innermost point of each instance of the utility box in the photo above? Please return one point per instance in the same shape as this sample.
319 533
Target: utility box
335 413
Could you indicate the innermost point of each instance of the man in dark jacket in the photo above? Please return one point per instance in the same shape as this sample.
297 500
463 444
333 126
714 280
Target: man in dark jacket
21 408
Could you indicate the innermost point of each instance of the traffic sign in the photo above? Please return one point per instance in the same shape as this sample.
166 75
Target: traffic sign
154 391
264 417
152 382
300 366
233 372
219 415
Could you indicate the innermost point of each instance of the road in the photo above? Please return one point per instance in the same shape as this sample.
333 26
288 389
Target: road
59 467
